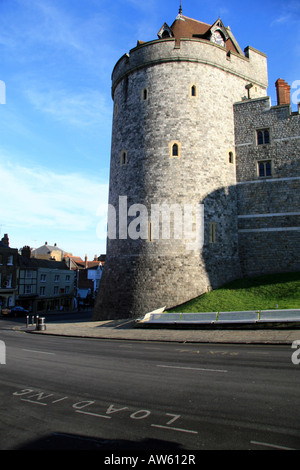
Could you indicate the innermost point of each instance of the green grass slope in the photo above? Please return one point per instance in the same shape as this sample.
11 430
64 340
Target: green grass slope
259 293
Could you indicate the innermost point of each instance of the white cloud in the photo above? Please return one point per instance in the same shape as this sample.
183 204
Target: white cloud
85 108
40 199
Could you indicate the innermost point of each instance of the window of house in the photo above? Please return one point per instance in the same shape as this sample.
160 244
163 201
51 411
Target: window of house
212 232
10 260
264 168
56 278
68 277
263 137
43 277
56 290
67 290
28 289
42 290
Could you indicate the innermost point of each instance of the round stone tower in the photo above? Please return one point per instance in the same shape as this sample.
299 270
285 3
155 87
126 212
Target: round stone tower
172 228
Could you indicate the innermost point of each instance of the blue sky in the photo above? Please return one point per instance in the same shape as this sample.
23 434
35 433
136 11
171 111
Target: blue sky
56 59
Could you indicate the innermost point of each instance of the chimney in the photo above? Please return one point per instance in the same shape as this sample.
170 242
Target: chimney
85 261
283 92
26 251
5 240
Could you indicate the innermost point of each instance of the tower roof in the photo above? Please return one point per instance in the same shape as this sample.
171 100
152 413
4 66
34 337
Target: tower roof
185 27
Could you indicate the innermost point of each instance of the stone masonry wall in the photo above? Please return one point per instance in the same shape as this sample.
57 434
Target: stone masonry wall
153 108
268 206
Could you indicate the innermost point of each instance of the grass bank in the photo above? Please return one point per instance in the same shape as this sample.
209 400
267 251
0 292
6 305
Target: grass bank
255 293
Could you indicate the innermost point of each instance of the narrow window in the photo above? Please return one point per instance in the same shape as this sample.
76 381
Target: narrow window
144 94
175 150
261 169
266 137
230 157
123 158
193 90
212 232
263 137
264 168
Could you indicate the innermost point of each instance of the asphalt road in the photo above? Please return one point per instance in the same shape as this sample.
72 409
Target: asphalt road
73 393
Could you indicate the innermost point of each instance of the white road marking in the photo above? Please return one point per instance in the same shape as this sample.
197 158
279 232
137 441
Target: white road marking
192 368
34 401
39 352
174 429
274 446
92 414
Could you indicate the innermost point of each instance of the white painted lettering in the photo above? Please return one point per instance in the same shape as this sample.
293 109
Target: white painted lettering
82 404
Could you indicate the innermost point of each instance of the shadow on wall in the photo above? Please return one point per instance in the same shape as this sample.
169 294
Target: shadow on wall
140 276
244 235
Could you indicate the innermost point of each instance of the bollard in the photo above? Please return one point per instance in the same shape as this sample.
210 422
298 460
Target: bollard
27 321
41 324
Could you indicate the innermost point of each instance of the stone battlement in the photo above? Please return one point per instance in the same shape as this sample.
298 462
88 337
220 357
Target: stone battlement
251 67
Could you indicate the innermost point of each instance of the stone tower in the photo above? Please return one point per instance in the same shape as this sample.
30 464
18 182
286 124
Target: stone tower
173 147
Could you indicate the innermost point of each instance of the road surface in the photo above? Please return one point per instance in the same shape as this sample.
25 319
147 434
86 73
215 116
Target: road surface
73 393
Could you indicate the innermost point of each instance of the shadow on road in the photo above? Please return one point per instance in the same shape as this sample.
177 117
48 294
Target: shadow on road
61 441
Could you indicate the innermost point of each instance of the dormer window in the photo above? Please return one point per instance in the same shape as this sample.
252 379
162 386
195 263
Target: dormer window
165 32
217 38
218 33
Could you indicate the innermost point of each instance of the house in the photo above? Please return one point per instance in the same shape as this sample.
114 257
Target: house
8 273
44 285
88 275
50 252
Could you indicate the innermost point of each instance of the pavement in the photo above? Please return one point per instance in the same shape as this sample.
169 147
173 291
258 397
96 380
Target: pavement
129 330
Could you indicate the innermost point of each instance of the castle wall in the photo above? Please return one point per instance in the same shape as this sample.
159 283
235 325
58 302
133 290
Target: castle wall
268 205
155 107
